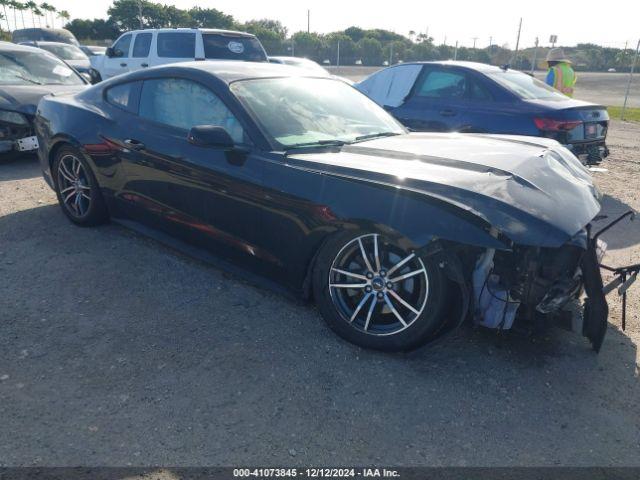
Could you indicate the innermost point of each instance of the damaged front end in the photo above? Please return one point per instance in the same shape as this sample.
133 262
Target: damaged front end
16 132
532 287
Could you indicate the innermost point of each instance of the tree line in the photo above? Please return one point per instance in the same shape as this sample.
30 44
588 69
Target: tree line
12 15
348 47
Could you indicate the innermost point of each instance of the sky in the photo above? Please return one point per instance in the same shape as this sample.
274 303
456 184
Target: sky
610 23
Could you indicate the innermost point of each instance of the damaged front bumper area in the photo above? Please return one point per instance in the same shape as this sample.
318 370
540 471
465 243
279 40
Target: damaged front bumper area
16 133
533 287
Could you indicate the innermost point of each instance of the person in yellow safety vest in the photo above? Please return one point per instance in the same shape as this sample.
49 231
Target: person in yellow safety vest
560 75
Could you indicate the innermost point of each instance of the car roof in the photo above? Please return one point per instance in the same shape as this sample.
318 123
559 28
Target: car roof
39 42
477 66
203 30
282 57
229 71
14 47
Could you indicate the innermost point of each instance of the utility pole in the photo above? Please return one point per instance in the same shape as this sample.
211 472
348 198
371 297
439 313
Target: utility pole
535 58
633 67
474 42
391 54
338 55
515 53
455 52
140 13
490 41
308 21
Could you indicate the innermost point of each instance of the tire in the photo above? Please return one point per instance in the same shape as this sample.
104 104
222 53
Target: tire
370 314
77 190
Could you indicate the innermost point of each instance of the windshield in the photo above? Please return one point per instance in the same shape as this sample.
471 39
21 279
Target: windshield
230 47
525 86
65 52
301 111
34 68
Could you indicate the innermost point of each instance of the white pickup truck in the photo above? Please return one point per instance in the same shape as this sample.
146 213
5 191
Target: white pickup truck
147 48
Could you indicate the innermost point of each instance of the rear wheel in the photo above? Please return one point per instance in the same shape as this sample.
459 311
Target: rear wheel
77 189
377 294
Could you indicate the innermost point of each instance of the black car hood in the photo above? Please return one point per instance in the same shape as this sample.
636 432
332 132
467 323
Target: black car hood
531 189
25 98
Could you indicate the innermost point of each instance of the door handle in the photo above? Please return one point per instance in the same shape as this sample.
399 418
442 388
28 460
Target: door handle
133 144
144 65
123 64
447 112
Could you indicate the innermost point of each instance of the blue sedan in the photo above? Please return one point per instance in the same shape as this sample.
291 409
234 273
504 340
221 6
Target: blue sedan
474 97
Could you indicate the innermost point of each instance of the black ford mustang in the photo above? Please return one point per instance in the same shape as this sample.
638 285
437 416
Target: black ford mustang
397 237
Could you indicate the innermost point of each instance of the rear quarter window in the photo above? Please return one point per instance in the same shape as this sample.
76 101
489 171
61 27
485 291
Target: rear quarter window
124 96
229 47
177 45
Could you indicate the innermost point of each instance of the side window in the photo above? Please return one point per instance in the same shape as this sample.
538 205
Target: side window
184 104
142 45
124 96
177 45
442 84
121 47
478 91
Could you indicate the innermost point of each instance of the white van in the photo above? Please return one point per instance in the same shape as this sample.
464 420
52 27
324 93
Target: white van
147 48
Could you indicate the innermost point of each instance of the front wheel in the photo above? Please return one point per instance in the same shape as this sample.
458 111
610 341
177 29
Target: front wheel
77 189
376 293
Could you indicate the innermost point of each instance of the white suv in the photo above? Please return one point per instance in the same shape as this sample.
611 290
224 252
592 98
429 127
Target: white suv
146 48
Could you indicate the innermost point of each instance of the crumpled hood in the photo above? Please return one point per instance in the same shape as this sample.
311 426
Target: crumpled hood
25 98
531 189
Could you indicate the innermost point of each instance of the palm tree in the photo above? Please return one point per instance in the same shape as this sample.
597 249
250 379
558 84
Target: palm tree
4 4
64 16
12 4
48 9
32 6
21 8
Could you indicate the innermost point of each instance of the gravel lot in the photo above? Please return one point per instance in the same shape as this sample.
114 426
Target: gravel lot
115 350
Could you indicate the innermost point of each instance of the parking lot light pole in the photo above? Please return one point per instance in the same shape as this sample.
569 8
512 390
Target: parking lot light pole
633 67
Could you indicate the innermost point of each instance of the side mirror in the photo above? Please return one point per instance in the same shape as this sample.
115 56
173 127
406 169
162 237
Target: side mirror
110 52
210 136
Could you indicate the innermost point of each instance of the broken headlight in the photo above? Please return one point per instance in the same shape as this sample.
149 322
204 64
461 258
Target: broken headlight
13 117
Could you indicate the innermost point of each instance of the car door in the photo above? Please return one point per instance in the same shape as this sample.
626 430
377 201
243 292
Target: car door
172 46
390 87
203 195
140 51
437 101
119 62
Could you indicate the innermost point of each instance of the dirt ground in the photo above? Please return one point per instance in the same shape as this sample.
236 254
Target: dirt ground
115 350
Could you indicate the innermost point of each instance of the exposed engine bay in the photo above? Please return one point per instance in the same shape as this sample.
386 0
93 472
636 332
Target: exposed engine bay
535 286
16 133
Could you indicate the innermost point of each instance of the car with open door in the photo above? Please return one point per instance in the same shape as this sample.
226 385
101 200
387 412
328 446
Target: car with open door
474 97
306 183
